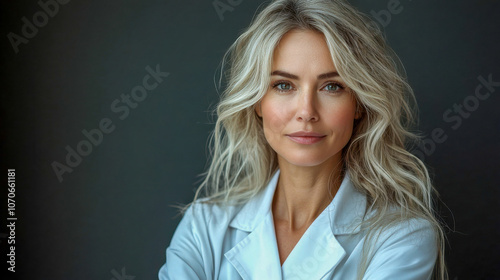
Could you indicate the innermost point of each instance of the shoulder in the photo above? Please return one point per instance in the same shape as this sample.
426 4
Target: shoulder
407 247
203 215
191 254
391 226
413 230
416 234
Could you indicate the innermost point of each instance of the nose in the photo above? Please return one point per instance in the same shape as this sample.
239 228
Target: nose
306 106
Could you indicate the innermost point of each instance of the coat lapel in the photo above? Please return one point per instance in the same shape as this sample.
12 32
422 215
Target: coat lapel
317 252
256 255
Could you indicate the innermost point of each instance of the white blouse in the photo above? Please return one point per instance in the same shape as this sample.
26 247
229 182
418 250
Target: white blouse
239 242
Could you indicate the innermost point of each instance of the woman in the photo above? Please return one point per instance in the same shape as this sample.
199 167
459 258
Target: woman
310 178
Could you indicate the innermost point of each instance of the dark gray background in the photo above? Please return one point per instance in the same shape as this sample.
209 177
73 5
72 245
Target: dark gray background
114 211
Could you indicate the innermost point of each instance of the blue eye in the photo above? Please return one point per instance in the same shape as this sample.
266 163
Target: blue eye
333 87
282 86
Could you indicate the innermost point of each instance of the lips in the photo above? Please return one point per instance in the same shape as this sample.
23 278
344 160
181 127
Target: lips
306 138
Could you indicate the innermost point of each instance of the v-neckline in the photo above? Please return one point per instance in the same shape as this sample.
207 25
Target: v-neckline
304 235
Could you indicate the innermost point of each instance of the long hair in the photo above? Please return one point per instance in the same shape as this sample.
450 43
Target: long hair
376 156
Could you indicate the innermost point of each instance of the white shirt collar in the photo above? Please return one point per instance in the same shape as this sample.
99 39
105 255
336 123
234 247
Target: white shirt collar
346 210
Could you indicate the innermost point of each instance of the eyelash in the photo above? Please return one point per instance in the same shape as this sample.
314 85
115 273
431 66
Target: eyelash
277 83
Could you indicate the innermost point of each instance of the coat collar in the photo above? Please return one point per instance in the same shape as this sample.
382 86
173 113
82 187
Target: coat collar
317 252
254 211
346 210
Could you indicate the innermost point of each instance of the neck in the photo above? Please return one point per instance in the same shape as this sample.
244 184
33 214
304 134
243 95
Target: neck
303 193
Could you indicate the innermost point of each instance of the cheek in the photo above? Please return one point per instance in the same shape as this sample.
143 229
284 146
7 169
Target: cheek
275 119
342 117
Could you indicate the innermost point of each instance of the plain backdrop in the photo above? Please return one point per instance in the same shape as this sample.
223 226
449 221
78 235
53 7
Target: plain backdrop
111 217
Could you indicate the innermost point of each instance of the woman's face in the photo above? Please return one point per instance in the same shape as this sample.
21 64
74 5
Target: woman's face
307 112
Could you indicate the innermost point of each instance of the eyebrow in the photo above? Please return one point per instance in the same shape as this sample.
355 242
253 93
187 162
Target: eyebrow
295 77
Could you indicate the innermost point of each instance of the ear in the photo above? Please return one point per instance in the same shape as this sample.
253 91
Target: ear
258 109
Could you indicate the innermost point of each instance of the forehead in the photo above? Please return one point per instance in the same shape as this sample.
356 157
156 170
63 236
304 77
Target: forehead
303 50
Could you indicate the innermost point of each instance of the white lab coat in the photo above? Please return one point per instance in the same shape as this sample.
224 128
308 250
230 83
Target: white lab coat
239 242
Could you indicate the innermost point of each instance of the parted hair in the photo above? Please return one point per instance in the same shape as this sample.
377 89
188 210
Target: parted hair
376 157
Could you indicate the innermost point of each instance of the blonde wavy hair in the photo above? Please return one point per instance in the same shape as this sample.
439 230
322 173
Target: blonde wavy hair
377 155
